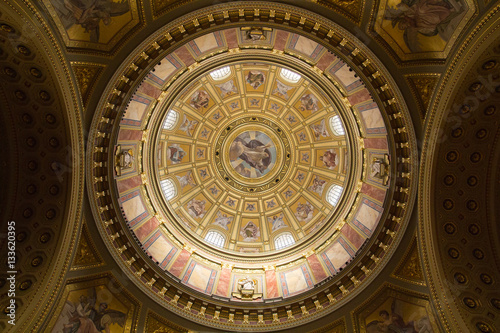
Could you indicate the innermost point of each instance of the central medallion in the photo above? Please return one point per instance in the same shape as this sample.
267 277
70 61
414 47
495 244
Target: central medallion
252 154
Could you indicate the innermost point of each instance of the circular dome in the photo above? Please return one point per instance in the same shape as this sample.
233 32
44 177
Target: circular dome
253 164
252 155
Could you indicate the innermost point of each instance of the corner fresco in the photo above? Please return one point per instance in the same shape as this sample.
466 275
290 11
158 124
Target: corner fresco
419 29
95 305
94 24
396 310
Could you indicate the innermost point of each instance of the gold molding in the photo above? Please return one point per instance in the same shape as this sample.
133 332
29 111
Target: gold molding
409 268
472 48
87 75
86 255
30 317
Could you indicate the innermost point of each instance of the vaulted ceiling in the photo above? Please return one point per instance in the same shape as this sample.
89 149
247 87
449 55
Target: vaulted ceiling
250 166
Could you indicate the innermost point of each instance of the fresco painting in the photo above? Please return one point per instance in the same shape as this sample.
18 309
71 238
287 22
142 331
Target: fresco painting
303 210
187 126
201 101
177 153
97 24
396 310
252 154
186 181
308 104
255 80
419 28
249 230
398 316
328 159
223 220
96 305
198 207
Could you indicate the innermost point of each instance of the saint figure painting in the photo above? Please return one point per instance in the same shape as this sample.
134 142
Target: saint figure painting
252 154
255 78
425 18
91 15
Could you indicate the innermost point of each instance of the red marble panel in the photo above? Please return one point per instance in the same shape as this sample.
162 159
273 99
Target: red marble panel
359 97
316 268
129 183
144 230
326 60
231 38
148 89
353 236
185 56
223 284
130 135
374 192
179 263
376 143
271 284
281 37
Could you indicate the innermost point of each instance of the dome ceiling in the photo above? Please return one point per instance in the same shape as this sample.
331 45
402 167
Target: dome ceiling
263 159
251 166
252 156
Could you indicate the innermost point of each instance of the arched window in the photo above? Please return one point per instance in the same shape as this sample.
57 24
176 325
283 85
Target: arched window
336 125
289 75
221 73
334 194
168 188
284 240
170 120
215 238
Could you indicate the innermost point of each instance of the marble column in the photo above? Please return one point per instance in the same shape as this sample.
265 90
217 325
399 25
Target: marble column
317 270
224 281
179 263
271 284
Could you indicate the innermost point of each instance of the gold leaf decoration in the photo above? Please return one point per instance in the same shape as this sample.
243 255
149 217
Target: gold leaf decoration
86 76
337 326
349 8
86 255
410 269
157 324
161 7
423 87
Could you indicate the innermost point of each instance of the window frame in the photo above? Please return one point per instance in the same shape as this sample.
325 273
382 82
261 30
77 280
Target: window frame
289 75
285 238
220 74
337 126
333 199
171 123
219 237
168 189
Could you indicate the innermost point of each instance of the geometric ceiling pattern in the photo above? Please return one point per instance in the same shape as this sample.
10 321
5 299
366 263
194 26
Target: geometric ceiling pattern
465 192
317 165
246 180
255 174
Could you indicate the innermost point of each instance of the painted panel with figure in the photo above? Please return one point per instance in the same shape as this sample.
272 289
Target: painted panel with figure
94 24
419 29
396 310
252 154
95 304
